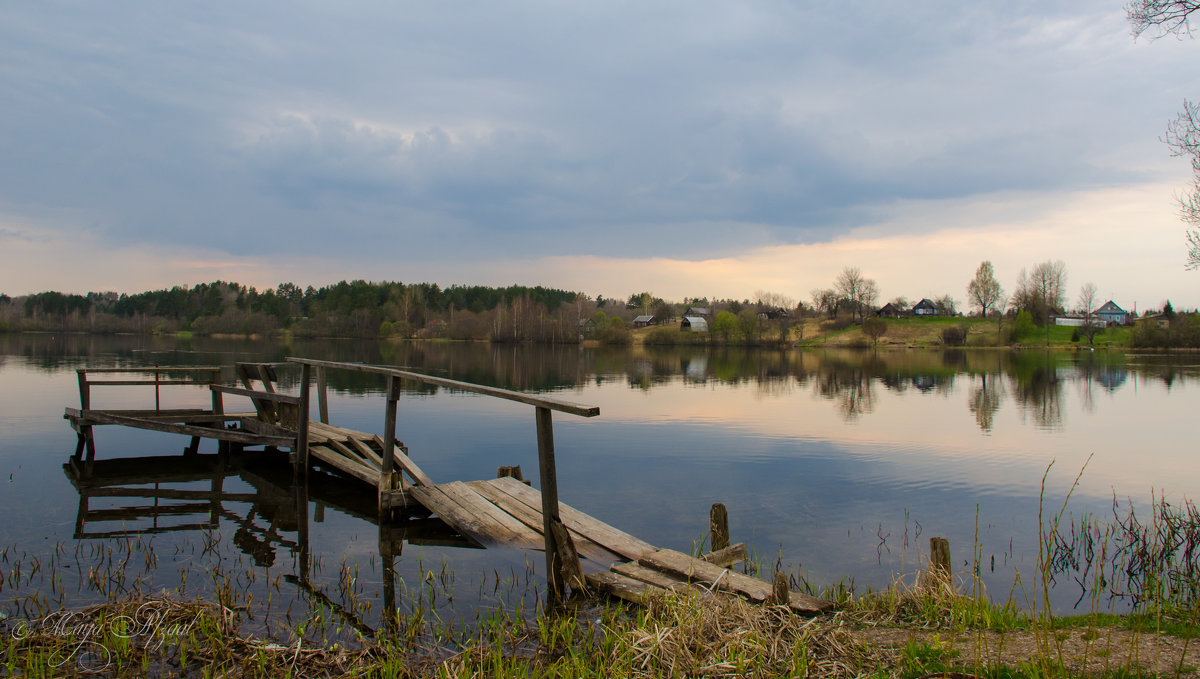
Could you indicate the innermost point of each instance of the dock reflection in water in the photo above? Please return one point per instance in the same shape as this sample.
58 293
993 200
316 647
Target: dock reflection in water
134 496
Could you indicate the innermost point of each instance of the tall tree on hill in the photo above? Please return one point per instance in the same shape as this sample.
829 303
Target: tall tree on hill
1173 17
984 291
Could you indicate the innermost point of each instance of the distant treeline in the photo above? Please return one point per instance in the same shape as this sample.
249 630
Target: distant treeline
345 309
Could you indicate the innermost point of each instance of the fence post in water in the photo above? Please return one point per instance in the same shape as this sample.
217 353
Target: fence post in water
549 480
718 524
939 558
301 463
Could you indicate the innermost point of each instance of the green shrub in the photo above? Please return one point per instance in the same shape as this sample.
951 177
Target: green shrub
1021 327
954 336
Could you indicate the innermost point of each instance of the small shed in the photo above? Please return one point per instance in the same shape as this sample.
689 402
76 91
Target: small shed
890 310
694 324
643 320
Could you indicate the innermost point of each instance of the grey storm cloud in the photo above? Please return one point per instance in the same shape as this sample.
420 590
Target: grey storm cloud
481 129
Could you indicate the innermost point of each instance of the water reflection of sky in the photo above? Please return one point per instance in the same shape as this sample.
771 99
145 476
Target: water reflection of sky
841 465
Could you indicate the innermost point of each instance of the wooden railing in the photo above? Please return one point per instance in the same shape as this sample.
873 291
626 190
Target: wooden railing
211 375
543 408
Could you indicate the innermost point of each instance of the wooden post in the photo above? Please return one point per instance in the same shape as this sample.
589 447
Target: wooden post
85 404
718 525
322 396
387 474
301 463
157 375
218 408
389 425
939 558
548 476
85 394
513 471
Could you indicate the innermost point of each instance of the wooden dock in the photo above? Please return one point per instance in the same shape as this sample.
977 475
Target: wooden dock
503 511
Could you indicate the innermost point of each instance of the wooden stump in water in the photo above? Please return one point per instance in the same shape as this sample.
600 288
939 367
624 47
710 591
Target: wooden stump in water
718 522
939 573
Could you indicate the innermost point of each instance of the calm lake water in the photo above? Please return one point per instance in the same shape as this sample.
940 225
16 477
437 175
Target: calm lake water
836 465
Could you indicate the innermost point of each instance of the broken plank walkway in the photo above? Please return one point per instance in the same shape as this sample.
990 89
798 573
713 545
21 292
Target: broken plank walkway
502 511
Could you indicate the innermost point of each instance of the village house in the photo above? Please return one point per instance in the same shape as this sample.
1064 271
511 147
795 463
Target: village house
644 320
890 310
925 308
1111 314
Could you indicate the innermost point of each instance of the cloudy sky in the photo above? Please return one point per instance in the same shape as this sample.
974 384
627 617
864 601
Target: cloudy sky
687 148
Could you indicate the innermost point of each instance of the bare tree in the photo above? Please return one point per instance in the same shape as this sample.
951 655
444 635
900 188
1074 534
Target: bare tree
945 306
1087 299
858 291
1087 304
1164 16
826 301
984 291
773 300
1049 281
1167 17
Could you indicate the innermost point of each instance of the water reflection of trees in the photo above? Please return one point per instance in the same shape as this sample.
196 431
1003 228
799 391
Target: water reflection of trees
1038 389
984 399
851 378
850 384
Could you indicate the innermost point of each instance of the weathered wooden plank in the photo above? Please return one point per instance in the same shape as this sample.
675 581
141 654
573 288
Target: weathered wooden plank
338 432
261 395
722 578
590 527
658 579
436 501
250 422
103 417
404 462
366 451
340 462
180 417
622 587
533 519
528 399
733 554
352 454
506 528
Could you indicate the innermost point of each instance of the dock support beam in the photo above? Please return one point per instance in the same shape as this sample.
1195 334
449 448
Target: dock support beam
301 463
322 396
387 465
548 476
